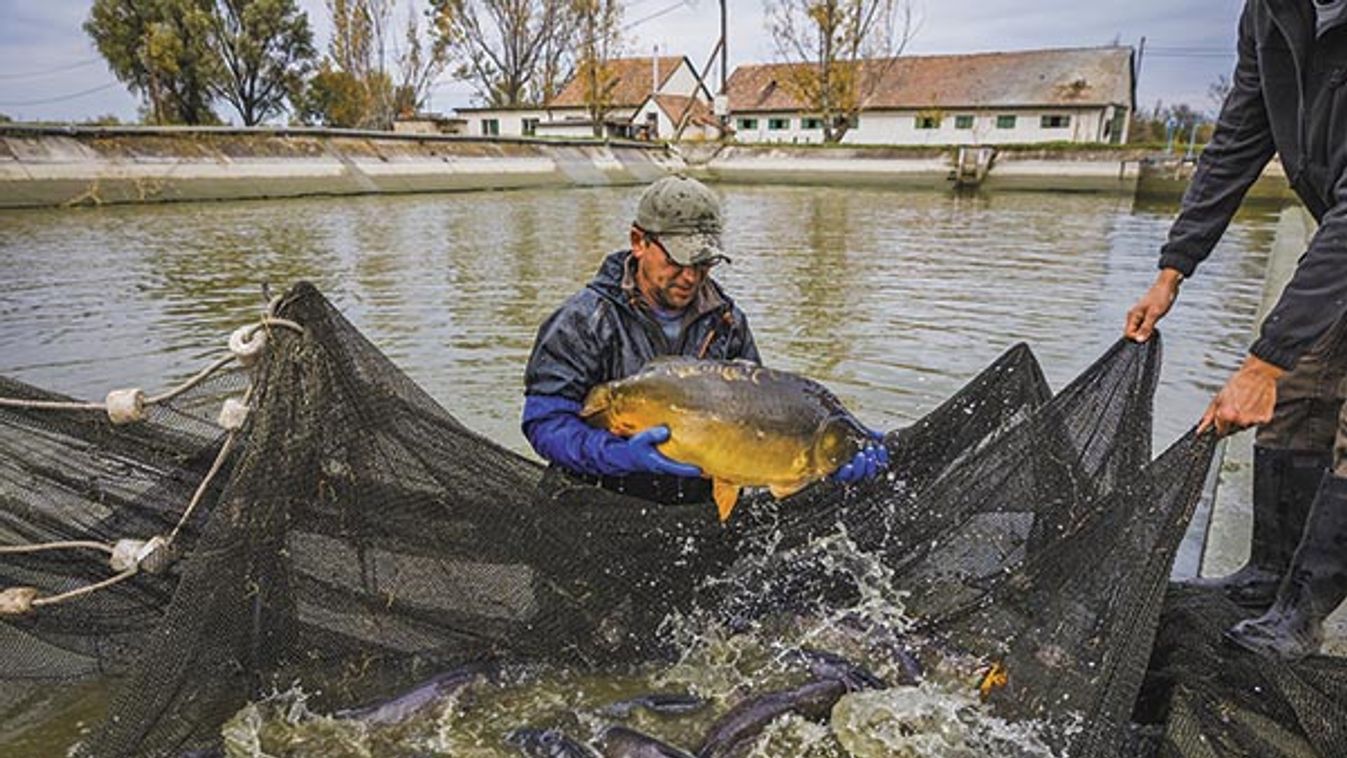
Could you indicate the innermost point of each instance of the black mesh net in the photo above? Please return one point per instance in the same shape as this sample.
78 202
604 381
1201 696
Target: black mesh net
359 538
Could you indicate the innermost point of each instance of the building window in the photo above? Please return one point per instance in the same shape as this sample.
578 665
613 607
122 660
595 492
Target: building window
778 124
748 124
928 122
1055 122
1005 122
490 127
811 123
530 127
963 122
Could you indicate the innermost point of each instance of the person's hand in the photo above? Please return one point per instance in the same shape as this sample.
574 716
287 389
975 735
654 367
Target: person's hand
866 464
1247 399
643 455
1152 306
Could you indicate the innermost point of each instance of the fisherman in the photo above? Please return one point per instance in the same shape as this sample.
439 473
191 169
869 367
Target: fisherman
1287 98
656 299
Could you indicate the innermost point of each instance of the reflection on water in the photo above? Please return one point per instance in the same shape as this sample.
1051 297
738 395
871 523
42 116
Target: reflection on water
892 298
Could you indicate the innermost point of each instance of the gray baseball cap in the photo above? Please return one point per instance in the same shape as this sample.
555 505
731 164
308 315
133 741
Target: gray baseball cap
684 215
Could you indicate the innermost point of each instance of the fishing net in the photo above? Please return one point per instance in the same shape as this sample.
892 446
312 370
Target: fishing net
357 538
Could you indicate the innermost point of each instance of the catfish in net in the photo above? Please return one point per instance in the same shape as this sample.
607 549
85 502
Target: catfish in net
658 299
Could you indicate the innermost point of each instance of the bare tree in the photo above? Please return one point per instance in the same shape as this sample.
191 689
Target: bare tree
420 62
513 52
840 51
1219 90
599 41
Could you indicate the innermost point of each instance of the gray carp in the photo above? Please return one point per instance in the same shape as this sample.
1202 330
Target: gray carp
814 701
402 707
621 742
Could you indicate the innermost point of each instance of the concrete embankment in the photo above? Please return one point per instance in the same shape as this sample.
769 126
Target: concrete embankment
52 166
1143 172
1046 169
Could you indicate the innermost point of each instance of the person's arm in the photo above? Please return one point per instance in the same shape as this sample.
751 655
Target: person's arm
554 428
742 346
567 360
1240 148
1316 296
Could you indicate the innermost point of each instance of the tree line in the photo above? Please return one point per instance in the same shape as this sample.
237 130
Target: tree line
185 59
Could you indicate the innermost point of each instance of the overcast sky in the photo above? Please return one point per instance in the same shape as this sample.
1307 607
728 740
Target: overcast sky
49 69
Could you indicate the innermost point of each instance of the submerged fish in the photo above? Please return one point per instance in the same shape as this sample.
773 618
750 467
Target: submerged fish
742 424
825 665
621 742
666 703
397 709
548 743
814 701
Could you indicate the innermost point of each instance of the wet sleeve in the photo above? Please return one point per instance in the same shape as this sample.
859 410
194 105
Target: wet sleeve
1316 296
1234 159
567 357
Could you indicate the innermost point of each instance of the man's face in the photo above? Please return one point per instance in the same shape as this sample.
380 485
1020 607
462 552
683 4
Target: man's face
662 281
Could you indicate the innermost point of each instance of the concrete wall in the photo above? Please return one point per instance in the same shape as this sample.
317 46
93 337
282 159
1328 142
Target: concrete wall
930 167
900 127
91 165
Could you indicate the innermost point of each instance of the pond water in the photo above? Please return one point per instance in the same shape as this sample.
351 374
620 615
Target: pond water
891 298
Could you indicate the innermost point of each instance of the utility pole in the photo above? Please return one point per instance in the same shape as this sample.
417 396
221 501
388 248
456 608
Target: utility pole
724 48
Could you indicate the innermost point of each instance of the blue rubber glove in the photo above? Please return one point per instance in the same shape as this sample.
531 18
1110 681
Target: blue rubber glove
639 454
866 465
554 428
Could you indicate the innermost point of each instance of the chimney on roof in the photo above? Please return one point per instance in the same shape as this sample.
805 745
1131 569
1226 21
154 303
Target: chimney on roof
654 71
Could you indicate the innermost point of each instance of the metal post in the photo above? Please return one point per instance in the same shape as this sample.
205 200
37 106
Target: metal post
724 47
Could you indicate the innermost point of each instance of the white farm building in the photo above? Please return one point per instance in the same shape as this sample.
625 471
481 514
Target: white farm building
648 98
1065 95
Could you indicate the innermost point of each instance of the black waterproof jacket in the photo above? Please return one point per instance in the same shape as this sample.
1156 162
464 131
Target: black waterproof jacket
601 333
1288 97
604 332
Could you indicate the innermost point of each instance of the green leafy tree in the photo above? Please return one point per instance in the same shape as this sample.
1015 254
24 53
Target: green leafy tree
265 50
161 50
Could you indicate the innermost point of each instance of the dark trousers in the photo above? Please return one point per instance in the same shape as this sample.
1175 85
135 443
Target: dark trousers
1309 414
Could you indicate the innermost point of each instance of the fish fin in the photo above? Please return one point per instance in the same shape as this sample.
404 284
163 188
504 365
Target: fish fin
782 491
726 495
596 402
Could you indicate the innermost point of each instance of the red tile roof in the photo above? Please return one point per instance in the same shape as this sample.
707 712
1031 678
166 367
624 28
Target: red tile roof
633 82
1065 77
676 107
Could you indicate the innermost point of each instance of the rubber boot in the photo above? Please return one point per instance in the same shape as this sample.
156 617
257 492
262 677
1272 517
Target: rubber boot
1284 484
1313 587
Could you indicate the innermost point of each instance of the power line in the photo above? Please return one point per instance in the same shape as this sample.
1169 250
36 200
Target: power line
661 12
59 98
57 70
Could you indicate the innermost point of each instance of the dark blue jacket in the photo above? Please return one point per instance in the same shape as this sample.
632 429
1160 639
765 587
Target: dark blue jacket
1288 96
605 332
